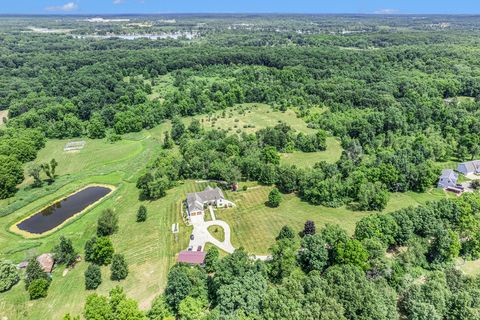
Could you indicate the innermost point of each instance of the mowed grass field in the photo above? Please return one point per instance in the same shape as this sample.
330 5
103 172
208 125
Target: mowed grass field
250 117
255 225
308 159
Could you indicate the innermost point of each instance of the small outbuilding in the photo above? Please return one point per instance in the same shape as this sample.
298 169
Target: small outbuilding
46 261
448 179
192 257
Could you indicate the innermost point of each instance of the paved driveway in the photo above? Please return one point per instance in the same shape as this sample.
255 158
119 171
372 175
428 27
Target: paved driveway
201 235
472 176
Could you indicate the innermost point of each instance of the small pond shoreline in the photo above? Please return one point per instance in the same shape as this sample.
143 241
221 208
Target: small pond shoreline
36 224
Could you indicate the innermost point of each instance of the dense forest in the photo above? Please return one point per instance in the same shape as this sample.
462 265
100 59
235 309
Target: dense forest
402 94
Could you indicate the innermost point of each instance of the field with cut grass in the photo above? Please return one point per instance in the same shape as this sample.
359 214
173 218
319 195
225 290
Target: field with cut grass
217 232
308 159
255 226
250 117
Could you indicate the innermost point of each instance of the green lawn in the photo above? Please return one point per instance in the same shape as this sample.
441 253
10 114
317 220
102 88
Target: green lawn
252 114
217 232
308 159
255 226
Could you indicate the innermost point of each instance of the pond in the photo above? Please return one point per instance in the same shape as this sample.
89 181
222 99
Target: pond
57 213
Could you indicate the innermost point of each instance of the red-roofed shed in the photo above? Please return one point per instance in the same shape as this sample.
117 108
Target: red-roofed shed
191 257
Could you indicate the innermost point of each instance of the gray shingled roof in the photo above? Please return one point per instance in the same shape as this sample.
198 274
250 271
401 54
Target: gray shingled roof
472 166
196 200
448 174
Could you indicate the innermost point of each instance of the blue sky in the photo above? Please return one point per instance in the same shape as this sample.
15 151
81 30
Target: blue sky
237 6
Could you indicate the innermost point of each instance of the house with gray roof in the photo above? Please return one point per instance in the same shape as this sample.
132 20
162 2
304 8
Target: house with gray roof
470 167
448 179
198 201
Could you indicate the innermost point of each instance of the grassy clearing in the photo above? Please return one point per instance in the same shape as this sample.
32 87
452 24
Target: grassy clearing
244 116
217 232
162 86
3 115
255 226
308 159
471 268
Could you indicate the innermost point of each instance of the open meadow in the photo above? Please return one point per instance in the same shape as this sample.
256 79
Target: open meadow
255 225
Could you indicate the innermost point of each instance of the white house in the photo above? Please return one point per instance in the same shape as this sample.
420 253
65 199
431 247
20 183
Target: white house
198 201
470 167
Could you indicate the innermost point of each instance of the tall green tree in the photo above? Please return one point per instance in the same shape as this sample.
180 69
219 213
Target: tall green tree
119 268
107 223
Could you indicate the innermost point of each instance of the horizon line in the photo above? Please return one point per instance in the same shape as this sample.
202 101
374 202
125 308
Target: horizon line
238 13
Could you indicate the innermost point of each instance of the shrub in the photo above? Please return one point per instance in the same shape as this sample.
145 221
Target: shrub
93 277
141 214
38 289
285 233
103 251
274 198
475 184
8 275
107 223
309 228
119 268
99 251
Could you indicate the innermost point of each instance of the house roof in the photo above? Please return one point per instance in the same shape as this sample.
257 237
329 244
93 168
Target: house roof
472 166
46 262
449 174
196 200
192 257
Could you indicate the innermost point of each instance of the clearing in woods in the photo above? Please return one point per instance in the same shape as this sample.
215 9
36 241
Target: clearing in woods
3 115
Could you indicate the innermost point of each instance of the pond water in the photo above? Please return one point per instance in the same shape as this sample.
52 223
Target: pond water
60 211
172 35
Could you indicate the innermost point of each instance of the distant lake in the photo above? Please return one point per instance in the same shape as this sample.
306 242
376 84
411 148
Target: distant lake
172 35
60 211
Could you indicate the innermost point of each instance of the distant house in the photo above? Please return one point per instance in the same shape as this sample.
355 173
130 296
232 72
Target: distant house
192 257
197 201
46 261
470 167
448 179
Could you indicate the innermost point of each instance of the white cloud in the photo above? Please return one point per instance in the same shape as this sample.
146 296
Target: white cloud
386 11
118 1
70 6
